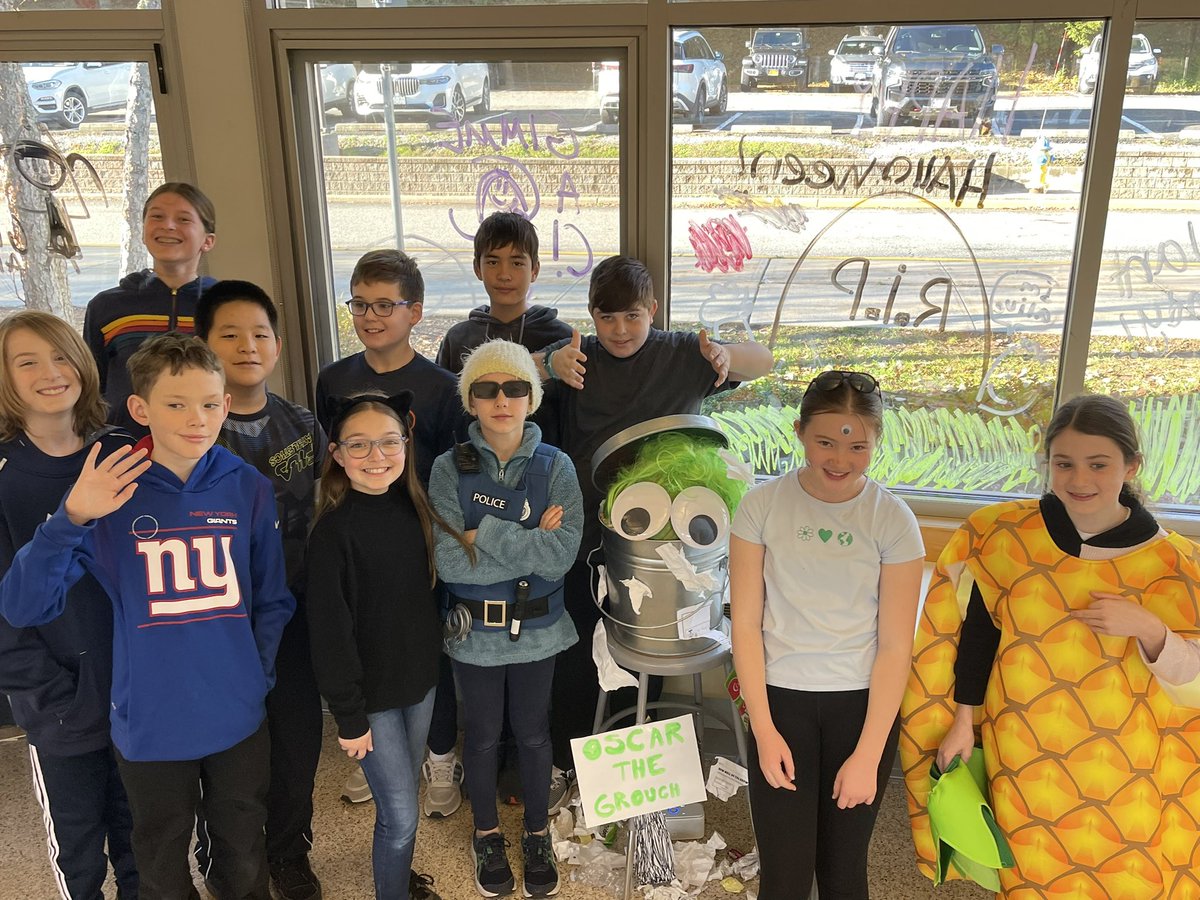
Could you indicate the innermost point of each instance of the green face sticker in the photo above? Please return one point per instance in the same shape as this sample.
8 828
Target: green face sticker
592 750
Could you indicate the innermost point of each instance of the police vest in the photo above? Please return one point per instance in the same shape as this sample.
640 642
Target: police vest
535 601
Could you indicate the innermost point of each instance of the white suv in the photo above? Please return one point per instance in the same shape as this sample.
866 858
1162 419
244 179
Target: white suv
699 83
435 89
1143 65
66 93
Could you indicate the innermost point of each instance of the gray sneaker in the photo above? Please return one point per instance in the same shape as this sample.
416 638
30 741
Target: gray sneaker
443 787
561 785
356 789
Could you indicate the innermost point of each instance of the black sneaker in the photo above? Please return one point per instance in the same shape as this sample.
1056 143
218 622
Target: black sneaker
420 887
493 877
541 870
293 879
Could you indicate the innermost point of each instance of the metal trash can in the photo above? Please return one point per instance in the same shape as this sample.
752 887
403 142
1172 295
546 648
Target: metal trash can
654 629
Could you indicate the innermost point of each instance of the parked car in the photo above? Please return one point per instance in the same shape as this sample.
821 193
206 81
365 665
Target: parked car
66 93
337 87
777 56
1143 65
934 71
699 82
435 89
852 62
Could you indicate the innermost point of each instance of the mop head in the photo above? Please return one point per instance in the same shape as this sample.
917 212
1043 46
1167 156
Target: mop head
653 859
677 462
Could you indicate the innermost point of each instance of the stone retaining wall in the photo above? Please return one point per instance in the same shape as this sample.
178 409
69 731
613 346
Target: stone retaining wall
1141 174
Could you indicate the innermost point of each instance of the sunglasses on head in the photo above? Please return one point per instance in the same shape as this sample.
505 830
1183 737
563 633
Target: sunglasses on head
835 378
487 390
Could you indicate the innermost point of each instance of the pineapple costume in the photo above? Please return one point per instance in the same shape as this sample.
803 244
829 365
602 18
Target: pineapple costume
1093 763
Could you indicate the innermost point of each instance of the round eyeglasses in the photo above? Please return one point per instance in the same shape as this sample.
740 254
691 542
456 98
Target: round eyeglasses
360 448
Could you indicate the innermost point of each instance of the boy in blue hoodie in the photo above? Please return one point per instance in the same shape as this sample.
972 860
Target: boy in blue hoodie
184 538
179 226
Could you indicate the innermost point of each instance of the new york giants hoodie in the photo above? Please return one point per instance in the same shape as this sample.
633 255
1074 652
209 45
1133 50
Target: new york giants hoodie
195 573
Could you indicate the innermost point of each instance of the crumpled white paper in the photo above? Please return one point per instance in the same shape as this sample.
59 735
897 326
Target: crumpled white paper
746 867
679 566
736 467
602 586
694 862
693 621
612 676
664 892
638 592
725 777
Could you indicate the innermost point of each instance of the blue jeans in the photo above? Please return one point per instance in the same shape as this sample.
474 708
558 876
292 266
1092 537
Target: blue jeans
392 770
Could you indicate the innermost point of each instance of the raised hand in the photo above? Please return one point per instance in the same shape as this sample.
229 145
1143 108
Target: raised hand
717 356
568 362
105 487
551 518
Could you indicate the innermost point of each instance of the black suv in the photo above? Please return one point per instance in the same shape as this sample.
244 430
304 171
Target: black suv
923 72
777 56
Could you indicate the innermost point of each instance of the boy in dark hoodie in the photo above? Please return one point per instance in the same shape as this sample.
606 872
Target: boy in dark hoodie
506 261
194 567
179 226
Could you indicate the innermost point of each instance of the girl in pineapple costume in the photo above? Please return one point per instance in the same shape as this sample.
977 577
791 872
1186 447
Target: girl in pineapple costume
1072 621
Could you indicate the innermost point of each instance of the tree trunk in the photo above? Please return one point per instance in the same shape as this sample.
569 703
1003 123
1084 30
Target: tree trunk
136 181
43 274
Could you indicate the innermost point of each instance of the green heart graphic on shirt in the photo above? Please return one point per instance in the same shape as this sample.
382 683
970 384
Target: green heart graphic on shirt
825 534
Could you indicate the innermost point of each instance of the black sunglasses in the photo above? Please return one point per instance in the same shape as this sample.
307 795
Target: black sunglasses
487 390
835 378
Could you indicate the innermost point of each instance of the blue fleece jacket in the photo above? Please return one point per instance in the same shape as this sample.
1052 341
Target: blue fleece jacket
195 573
506 549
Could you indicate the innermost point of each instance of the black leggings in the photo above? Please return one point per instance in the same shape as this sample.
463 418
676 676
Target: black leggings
803 832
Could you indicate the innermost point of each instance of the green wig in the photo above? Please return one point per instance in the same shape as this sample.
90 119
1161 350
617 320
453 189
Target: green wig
677 461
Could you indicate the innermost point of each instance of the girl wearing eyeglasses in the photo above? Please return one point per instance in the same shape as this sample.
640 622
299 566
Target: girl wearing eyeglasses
825 572
518 503
373 618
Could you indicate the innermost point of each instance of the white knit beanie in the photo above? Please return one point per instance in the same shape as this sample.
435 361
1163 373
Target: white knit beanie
500 356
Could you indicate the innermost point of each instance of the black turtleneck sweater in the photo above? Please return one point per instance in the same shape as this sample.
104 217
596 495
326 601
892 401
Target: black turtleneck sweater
979 637
371 609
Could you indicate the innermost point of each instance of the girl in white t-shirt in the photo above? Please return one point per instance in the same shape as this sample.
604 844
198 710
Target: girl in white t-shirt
826 571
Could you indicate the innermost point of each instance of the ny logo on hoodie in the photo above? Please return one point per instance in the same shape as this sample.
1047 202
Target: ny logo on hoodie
209 589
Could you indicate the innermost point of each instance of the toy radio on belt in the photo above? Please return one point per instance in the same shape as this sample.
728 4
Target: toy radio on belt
671 488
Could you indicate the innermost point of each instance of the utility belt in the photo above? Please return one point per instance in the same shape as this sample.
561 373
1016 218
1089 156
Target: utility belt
489 615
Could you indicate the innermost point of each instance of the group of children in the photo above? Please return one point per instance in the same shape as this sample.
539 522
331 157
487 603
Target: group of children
181 587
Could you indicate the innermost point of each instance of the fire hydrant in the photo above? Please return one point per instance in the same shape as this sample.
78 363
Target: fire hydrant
1040 157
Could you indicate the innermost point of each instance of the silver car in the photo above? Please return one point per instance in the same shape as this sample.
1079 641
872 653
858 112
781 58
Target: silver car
699 82
852 62
1142 74
438 90
67 93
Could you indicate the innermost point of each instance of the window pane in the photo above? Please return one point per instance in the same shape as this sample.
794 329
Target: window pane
85 160
74 5
1145 343
470 139
381 4
880 198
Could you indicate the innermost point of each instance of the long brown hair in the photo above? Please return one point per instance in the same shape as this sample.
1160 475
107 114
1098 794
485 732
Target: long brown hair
1099 415
335 483
89 409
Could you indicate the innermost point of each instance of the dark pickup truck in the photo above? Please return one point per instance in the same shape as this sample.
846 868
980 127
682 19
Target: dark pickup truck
934 74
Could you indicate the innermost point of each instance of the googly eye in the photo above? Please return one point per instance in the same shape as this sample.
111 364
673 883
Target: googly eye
640 511
700 517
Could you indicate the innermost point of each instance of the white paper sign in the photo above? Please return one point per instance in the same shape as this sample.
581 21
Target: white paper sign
725 777
638 770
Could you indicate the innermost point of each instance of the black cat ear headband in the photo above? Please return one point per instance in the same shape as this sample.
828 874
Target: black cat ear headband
339 408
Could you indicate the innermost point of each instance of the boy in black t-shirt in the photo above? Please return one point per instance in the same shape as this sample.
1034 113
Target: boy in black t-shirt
634 372
388 299
283 441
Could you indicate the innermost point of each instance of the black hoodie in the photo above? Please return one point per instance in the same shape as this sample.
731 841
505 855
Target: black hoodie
535 329
118 320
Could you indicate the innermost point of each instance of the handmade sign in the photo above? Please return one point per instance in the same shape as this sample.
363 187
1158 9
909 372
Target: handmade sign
638 770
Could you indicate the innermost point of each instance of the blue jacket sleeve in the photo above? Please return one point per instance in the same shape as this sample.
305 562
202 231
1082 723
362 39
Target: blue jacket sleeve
34 590
272 603
517 550
451 558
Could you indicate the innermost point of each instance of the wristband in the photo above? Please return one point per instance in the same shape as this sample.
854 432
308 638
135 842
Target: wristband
549 366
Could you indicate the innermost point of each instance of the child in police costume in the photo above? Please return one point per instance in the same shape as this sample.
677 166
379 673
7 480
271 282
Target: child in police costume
518 503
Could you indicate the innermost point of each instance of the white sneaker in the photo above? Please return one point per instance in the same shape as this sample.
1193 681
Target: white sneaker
443 787
356 789
561 785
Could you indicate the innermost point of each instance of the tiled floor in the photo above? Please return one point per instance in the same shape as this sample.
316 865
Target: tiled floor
343 838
